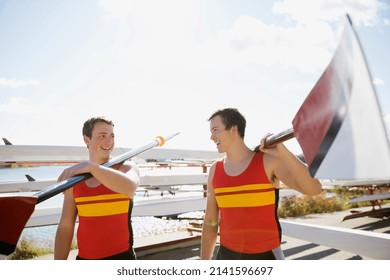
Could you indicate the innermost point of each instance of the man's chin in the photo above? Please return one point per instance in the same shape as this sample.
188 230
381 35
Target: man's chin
105 158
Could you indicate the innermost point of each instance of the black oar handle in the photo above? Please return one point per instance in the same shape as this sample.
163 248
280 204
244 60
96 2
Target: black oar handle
279 137
60 187
66 184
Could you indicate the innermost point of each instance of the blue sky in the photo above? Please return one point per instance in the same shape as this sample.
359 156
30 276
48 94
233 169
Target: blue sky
159 67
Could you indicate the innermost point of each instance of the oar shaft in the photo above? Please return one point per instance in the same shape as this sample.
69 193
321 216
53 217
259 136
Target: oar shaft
66 184
279 137
60 187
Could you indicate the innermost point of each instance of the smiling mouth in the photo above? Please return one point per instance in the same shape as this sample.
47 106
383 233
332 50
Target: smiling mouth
106 149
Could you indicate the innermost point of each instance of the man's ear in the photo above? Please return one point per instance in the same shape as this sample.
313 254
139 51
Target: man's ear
234 129
86 140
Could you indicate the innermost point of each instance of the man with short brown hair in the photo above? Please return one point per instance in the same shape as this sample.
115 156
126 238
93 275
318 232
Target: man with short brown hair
103 203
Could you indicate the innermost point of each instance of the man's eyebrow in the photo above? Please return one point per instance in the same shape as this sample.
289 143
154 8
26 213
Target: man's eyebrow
104 133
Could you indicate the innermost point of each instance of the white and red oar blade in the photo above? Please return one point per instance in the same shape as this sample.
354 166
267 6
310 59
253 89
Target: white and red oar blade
15 211
340 126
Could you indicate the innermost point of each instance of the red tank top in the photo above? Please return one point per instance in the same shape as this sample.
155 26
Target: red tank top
104 221
248 208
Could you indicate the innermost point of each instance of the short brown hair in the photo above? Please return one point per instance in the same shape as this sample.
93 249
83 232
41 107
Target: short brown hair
231 117
90 123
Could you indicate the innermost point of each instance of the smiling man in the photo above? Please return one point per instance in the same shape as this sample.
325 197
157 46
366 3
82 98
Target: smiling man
103 204
242 192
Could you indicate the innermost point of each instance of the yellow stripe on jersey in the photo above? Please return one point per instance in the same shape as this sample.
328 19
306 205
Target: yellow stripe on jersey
102 205
245 196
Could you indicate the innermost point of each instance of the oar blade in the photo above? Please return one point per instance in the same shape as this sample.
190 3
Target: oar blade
340 126
15 211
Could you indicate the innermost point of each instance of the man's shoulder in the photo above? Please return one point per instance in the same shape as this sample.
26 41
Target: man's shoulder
218 162
127 166
214 166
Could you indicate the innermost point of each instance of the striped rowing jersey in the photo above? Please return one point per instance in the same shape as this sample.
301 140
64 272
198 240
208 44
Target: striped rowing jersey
104 221
248 208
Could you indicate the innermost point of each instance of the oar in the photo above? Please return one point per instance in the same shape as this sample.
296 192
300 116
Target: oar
279 137
332 124
15 211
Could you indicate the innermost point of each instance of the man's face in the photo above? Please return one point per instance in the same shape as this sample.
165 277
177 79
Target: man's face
102 141
219 134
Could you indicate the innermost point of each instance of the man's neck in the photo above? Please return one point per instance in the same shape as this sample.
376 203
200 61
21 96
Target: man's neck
238 153
97 159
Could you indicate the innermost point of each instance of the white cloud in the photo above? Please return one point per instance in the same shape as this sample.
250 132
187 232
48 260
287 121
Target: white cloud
377 81
18 83
163 43
168 35
16 105
154 19
306 48
362 12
